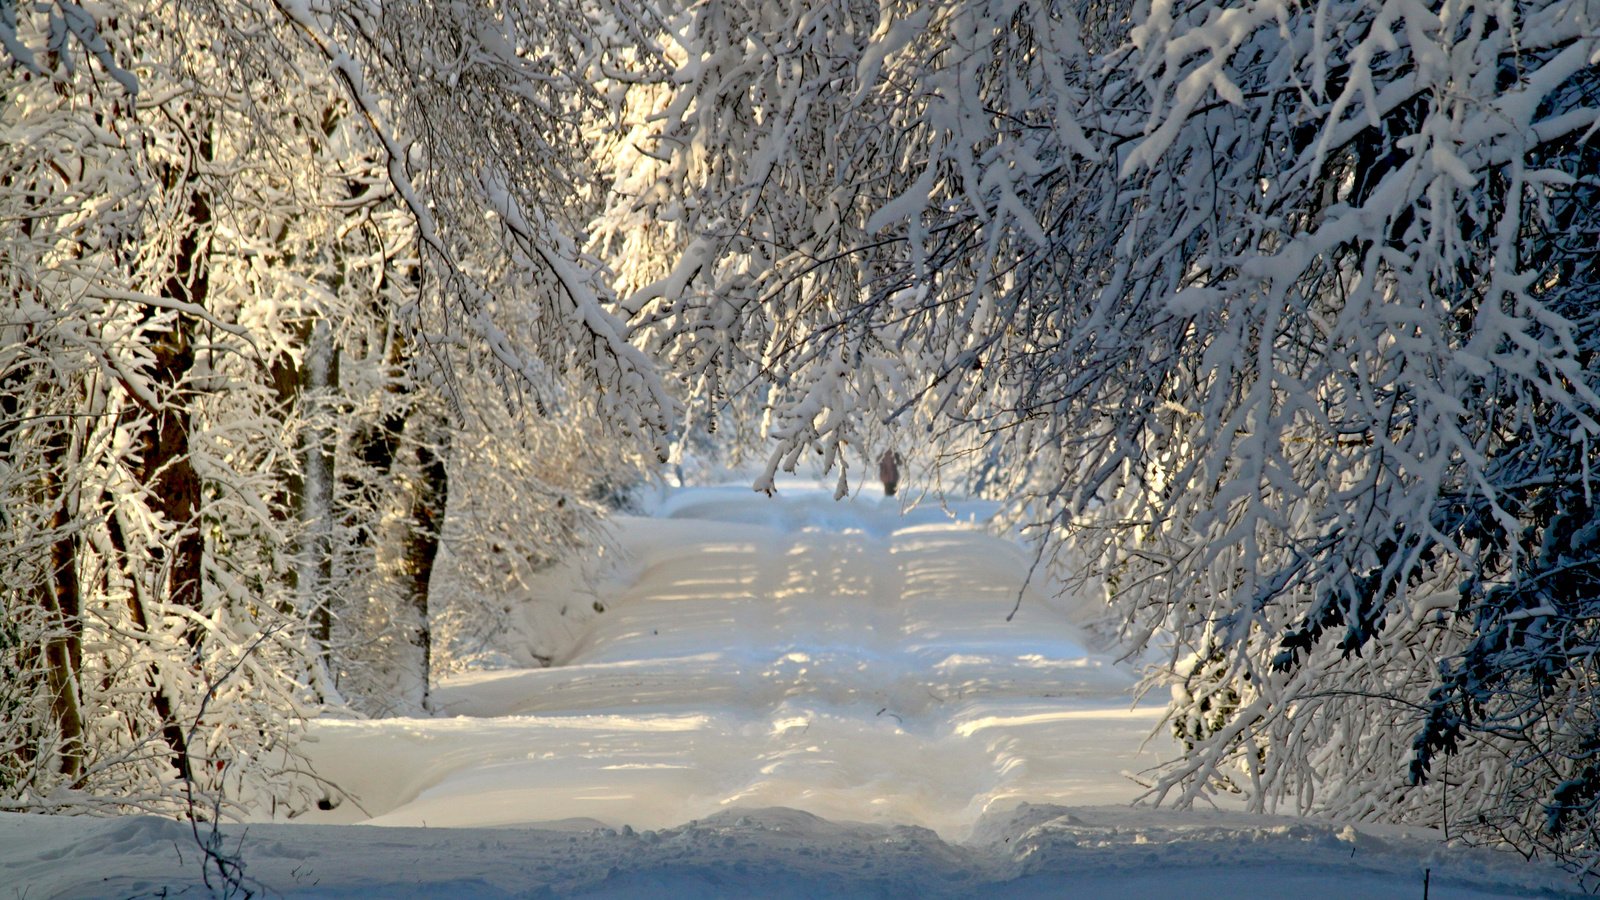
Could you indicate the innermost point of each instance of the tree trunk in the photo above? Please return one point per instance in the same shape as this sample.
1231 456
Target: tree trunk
285 375
319 379
165 462
62 598
428 495
171 729
57 593
305 392
166 466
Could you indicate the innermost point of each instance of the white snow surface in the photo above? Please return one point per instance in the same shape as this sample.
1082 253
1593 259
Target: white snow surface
786 697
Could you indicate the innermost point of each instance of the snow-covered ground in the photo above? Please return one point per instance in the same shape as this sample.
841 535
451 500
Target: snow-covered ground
836 658
784 697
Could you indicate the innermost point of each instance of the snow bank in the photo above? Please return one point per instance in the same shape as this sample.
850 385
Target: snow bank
1033 851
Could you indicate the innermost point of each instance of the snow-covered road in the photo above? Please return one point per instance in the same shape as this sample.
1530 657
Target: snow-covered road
762 663
846 659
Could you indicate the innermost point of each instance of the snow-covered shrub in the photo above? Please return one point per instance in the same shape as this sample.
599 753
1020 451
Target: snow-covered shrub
520 504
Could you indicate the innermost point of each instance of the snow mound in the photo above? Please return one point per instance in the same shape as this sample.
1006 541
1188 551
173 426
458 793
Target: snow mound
1121 851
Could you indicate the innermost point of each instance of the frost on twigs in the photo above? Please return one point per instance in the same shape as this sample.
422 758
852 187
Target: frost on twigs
50 30
497 196
1374 501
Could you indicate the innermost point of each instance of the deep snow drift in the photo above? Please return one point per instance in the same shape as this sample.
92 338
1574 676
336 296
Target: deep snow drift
788 697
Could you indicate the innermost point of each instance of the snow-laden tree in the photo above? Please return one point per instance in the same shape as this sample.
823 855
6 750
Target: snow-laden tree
259 333
150 657
481 112
514 359
1278 315
738 226
1367 347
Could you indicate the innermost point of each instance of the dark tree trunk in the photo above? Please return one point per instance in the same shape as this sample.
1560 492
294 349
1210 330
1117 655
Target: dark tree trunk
62 597
292 495
166 465
421 546
57 594
165 462
171 729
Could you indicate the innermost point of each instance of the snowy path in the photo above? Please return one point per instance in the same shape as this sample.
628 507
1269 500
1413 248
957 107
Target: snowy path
763 663
838 658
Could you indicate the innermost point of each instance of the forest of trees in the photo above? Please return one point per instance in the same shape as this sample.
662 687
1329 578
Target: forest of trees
1279 319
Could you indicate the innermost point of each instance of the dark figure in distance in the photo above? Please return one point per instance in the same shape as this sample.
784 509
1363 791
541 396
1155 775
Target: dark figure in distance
889 472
